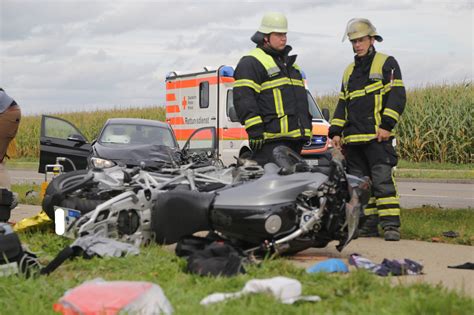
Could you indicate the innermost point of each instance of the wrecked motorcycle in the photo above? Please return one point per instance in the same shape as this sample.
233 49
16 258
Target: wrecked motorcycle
284 208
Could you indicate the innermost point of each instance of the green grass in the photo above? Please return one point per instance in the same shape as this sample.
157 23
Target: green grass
23 189
24 163
434 170
356 293
405 164
428 222
434 174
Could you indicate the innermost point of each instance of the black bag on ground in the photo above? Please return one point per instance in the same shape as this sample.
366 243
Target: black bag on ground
14 258
6 201
210 257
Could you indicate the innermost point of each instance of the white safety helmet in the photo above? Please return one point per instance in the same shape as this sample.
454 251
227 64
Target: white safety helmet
273 22
359 27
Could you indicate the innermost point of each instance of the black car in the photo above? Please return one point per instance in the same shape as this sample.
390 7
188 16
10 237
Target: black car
123 141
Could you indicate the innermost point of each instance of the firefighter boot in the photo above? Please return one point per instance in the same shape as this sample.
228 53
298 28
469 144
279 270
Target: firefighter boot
391 233
368 226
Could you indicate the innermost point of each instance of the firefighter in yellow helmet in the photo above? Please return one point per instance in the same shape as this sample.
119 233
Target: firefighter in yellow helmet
371 101
269 92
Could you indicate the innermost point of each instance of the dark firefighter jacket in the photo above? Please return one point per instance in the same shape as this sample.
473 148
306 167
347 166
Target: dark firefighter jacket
372 96
270 96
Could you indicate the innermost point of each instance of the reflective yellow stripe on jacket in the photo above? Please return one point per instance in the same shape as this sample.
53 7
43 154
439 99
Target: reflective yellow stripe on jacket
391 113
273 70
253 121
291 134
248 83
338 122
376 74
280 82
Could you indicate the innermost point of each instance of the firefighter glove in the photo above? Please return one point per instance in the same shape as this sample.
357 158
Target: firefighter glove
256 143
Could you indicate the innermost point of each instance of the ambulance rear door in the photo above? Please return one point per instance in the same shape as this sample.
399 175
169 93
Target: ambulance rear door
232 135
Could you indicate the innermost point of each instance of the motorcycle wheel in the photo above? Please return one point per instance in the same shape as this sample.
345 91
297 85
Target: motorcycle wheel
61 182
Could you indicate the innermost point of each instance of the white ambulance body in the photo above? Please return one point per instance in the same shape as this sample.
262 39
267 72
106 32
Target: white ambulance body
204 98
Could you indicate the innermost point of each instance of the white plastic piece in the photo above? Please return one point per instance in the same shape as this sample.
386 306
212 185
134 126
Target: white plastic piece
59 221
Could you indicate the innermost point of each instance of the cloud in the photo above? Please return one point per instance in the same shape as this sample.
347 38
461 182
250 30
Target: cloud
19 18
74 54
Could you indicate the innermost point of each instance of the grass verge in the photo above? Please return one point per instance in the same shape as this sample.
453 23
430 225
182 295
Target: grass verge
428 224
23 164
434 174
356 293
28 193
404 164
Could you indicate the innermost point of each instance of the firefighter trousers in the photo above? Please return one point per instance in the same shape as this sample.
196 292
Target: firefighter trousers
376 160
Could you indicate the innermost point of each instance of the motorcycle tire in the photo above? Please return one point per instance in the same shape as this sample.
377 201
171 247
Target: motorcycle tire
61 182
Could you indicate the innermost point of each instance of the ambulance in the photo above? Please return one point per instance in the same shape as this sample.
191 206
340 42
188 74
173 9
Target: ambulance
204 98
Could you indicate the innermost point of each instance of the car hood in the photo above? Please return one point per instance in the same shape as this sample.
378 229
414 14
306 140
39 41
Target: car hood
150 154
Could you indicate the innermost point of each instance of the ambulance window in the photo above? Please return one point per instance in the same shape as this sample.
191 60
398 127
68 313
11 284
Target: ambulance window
204 94
231 113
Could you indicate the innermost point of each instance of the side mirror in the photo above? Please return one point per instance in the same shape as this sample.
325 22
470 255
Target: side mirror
326 114
233 114
77 138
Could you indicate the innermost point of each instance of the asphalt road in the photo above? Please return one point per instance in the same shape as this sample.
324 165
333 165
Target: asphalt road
443 195
413 194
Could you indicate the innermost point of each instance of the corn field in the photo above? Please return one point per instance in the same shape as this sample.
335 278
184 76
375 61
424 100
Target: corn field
437 124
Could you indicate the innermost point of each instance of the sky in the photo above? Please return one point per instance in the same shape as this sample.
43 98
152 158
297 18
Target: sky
71 55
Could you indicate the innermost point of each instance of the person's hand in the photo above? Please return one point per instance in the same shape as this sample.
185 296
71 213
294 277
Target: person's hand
256 143
336 142
383 135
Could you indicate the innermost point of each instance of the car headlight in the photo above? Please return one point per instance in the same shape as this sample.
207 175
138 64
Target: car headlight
101 163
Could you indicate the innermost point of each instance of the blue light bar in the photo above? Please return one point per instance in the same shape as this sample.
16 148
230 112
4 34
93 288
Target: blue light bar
226 71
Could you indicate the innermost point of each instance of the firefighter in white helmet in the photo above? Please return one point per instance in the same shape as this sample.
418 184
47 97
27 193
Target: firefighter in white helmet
371 101
269 92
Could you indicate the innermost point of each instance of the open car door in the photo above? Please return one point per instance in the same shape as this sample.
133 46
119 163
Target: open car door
202 141
60 138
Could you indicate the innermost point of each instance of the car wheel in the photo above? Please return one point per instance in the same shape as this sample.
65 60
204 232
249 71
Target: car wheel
53 198
245 155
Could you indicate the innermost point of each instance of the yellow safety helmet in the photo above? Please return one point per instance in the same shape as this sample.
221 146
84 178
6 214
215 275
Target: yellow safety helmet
273 22
358 27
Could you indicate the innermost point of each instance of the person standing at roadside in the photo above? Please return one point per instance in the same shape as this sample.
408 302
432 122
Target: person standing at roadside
371 101
10 116
269 92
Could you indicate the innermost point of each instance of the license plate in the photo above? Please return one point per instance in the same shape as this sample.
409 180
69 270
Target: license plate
312 162
64 218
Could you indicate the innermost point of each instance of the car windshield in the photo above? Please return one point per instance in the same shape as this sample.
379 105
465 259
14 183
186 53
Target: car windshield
313 107
132 134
